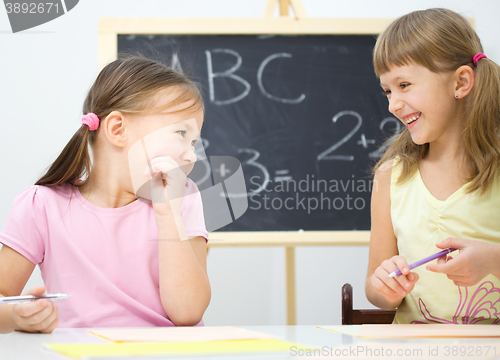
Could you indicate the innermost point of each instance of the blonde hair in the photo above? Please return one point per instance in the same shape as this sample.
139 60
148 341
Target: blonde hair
442 41
129 85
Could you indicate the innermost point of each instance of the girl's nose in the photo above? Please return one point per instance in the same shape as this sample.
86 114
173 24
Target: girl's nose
395 105
189 155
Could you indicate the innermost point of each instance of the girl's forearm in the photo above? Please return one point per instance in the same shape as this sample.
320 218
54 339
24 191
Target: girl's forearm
496 261
184 285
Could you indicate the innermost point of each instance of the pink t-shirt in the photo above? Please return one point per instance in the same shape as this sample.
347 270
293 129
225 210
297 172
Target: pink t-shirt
105 259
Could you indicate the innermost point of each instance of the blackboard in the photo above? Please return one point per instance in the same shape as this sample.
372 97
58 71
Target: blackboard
304 114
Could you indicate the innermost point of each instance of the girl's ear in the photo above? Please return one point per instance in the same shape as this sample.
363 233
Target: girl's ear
114 129
464 81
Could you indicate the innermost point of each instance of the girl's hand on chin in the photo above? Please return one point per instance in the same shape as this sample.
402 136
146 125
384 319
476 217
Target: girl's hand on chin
168 181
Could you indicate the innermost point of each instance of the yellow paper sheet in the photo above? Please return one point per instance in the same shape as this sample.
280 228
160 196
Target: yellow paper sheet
179 334
174 348
394 331
346 330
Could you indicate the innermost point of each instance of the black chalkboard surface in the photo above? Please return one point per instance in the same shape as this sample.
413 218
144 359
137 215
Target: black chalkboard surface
305 115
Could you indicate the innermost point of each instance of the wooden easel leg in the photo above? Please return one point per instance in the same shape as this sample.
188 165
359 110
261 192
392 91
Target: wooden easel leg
296 5
284 4
290 286
270 6
298 9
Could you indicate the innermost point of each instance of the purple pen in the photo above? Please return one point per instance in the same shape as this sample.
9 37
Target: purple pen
423 261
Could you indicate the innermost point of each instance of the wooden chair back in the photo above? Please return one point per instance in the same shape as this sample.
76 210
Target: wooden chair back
362 316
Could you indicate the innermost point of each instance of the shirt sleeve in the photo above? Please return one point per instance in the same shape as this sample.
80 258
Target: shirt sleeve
192 211
26 228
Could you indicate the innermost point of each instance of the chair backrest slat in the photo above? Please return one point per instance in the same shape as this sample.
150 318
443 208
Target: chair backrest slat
362 316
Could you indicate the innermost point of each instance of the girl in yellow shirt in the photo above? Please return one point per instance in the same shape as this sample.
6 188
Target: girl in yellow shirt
437 185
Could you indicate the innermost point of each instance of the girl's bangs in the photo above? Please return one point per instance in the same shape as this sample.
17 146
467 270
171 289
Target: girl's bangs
393 49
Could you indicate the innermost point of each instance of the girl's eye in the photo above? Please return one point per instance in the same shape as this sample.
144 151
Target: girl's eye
194 142
386 92
181 132
403 85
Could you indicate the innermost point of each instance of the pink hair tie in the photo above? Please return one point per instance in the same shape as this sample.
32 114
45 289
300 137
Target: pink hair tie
478 57
91 120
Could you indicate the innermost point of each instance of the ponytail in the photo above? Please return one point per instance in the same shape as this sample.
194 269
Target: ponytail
482 125
72 163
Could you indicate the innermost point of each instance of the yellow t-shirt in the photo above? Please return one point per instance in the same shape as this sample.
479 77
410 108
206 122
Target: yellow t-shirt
420 221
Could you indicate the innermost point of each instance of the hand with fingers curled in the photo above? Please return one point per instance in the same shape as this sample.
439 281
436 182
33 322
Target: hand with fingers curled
394 289
36 317
168 181
474 262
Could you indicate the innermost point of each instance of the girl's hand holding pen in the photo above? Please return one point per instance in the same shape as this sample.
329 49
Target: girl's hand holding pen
37 316
476 260
394 289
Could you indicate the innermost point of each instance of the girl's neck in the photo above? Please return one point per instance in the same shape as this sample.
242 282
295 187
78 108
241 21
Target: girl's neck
106 193
448 149
448 157
445 154
106 185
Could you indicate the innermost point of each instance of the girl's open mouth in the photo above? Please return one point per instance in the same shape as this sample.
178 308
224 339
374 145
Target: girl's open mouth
412 119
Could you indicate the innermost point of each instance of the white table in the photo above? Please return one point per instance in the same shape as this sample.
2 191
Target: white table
23 346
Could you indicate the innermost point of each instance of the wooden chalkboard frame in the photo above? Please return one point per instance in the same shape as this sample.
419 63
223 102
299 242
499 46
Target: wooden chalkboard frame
110 28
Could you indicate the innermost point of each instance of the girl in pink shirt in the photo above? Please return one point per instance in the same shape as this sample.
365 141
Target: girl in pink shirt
128 244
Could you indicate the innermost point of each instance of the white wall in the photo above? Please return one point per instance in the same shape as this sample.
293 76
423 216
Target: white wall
45 73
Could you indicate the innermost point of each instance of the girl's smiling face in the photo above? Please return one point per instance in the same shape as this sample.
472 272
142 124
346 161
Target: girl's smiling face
424 101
